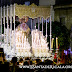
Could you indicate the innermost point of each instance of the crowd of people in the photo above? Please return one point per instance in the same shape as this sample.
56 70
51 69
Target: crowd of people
15 63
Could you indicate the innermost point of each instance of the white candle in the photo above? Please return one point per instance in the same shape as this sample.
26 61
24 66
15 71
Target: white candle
1 18
10 23
27 39
37 41
7 26
22 41
23 34
19 38
56 42
52 43
32 38
42 24
46 28
25 42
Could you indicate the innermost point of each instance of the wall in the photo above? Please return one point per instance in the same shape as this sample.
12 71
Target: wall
46 2
67 13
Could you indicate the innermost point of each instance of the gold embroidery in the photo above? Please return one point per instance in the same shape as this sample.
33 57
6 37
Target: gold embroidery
32 11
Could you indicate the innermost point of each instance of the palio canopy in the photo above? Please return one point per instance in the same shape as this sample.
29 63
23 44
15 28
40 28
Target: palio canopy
32 11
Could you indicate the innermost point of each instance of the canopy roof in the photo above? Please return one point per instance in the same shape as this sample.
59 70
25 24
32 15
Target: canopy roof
32 11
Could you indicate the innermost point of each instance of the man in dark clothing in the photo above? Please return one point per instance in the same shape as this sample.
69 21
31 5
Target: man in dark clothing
14 67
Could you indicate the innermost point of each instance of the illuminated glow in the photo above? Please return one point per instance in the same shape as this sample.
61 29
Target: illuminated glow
39 45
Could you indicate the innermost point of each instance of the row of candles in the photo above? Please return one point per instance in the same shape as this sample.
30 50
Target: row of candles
7 37
37 48
32 41
7 12
56 43
23 40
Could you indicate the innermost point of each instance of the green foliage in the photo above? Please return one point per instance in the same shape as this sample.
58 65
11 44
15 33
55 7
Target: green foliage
63 34
60 31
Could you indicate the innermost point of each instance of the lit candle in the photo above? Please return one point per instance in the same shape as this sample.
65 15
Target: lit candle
23 34
19 38
22 41
56 42
24 44
10 23
25 38
32 38
7 25
52 43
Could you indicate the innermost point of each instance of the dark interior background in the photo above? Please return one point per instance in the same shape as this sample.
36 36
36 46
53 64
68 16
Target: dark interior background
5 2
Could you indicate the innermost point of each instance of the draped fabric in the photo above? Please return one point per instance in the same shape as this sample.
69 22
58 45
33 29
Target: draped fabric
23 27
32 11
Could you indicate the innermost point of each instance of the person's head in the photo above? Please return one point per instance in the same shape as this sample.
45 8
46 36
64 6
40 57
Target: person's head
21 60
38 61
30 62
26 63
24 19
14 60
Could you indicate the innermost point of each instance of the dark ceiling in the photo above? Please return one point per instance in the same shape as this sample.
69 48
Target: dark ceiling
57 2
5 2
63 2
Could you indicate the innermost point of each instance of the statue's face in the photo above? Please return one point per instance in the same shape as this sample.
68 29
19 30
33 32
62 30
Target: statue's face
24 19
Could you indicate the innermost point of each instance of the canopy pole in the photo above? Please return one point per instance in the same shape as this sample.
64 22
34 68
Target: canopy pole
50 32
31 34
38 23
10 23
7 26
1 19
4 25
35 23
42 24
14 30
50 26
46 28
31 24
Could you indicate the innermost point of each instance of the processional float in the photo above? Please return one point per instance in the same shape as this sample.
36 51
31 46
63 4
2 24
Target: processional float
41 13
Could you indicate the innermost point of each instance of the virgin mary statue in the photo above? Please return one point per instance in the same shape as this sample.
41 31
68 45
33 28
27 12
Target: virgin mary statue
22 31
22 41
23 26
